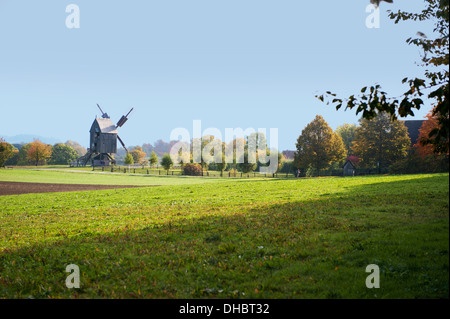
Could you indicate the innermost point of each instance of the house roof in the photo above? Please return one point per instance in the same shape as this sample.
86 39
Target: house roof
106 125
349 161
413 127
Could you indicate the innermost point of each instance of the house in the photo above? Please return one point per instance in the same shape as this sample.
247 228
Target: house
349 169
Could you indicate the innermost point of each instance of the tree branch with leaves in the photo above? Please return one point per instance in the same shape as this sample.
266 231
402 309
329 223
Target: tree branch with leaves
372 100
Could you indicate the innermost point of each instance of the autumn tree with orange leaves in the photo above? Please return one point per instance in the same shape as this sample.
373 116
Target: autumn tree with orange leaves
423 148
6 151
138 155
39 152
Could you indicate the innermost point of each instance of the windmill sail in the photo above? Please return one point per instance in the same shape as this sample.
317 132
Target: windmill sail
104 115
123 119
121 142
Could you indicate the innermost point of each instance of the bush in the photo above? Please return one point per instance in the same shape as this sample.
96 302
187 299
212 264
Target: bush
213 167
233 172
311 172
414 164
288 167
192 169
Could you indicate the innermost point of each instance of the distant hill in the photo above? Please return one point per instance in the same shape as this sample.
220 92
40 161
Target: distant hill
27 138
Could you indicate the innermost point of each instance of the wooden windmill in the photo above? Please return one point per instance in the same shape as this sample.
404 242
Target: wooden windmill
103 142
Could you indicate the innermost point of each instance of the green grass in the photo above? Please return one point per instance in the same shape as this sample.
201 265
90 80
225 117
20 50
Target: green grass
305 238
174 171
97 178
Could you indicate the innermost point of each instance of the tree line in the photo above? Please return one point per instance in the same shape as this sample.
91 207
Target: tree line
38 153
380 144
209 145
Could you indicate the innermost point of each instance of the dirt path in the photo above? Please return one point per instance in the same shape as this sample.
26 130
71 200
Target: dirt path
16 188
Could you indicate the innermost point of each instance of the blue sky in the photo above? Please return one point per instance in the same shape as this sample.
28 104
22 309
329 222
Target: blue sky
230 64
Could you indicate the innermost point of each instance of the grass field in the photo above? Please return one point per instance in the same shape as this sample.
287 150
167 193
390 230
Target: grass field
221 238
102 178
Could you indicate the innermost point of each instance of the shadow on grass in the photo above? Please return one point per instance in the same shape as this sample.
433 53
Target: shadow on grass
317 248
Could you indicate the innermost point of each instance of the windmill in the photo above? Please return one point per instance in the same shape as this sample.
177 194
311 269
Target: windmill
103 142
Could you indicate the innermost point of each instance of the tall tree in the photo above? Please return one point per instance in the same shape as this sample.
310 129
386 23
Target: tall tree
38 153
347 133
234 149
318 146
257 141
247 166
222 166
381 141
6 151
435 59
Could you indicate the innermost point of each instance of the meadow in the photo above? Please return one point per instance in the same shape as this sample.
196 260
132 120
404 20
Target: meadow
195 237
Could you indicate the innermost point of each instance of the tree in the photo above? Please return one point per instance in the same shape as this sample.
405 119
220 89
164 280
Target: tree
63 154
77 147
234 148
22 156
423 148
14 158
162 147
138 155
200 144
6 151
347 133
260 155
153 159
129 159
166 162
318 146
381 141
258 142
246 166
38 153
147 148
222 166
435 59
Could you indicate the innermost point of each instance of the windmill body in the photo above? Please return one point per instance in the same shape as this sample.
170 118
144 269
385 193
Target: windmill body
103 141
103 136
